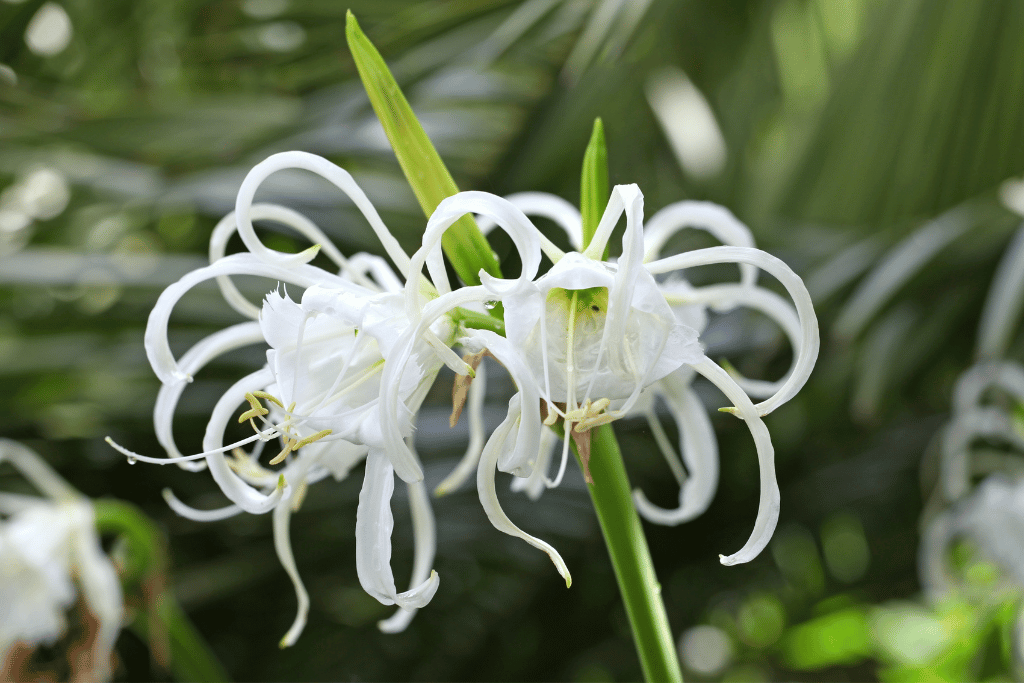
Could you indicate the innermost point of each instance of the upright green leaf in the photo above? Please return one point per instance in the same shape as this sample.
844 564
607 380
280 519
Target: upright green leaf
594 182
464 244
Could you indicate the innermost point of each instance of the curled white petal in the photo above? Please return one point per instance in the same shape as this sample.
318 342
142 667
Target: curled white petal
197 515
981 422
699 450
807 351
489 498
191 362
374 524
283 547
516 459
239 492
395 415
337 176
157 348
535 484
728 296
285 216
425 543
972 385
545 205
768 507
715 219
524 234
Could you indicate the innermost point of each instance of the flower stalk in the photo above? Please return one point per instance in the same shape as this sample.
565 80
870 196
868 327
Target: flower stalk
631 559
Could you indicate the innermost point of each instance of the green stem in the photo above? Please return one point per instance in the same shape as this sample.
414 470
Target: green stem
191 658
144 573
478 321
631 558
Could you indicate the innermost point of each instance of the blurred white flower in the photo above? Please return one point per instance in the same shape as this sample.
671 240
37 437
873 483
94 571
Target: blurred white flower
49 553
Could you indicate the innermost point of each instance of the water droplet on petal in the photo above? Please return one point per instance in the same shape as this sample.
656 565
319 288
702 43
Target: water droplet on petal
489 305
131 460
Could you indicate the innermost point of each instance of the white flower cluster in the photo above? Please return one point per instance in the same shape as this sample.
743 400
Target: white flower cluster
587 342
49 555
984 438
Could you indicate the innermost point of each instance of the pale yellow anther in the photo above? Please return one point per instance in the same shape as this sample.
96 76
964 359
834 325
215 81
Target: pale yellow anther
265 395
258 411
310 439
290 408
551 419
283 454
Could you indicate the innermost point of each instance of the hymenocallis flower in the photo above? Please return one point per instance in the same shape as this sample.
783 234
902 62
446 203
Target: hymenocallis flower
50 553
318 393
585 340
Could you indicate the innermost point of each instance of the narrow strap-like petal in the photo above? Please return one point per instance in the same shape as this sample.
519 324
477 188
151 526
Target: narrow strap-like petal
394 413
971 386
337 176
807 352
197 515
374 524
425 547
715 219
283 547
981 422
550 206
239 492
768 508
517 460
271 212
536 483
489 499
699 450
524 234
217 344
726 297
157 347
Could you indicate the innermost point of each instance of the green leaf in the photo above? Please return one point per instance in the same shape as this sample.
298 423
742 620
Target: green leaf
594 182
465 245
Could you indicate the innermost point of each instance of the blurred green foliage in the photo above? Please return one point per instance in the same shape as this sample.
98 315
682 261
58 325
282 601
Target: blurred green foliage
848 125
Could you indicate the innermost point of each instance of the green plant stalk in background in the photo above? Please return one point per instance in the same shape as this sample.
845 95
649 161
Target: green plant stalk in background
463 243
160 622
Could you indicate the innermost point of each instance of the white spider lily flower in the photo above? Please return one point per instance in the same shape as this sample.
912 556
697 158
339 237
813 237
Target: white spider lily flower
668 376
49 553
318 393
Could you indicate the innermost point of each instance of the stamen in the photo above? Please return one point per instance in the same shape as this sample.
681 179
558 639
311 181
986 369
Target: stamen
283 454
265 395
311 439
